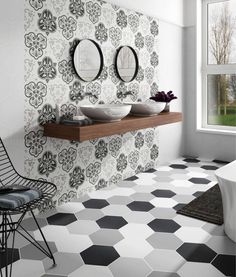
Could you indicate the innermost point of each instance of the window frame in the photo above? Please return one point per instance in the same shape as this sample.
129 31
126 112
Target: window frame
209 69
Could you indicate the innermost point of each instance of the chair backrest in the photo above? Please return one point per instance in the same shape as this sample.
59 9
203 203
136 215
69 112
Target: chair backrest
8 174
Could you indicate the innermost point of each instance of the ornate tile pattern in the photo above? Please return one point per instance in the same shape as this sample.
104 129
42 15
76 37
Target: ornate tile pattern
52 30
152 242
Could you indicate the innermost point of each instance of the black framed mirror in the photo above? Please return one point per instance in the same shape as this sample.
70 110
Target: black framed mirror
126 63
88 60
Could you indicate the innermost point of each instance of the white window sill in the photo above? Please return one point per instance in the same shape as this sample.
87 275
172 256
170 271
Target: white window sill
216 131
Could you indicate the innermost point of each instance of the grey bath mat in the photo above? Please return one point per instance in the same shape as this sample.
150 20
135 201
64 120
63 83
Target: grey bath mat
207 207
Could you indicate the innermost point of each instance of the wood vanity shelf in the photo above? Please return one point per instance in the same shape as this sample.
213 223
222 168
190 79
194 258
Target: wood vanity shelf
99 130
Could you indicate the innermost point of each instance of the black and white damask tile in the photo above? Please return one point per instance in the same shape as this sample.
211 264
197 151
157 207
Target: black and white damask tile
53 28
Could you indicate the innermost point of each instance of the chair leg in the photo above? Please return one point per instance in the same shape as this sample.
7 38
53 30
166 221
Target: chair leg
7 261
41 232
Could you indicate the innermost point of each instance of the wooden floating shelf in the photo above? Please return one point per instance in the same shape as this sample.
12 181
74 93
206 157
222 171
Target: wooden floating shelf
99 130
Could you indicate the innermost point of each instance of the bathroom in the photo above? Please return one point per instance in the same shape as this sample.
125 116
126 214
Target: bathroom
125 170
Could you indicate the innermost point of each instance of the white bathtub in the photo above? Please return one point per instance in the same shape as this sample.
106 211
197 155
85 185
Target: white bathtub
226 177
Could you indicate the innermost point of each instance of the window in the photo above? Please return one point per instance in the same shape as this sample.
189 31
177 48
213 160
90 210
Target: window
219 64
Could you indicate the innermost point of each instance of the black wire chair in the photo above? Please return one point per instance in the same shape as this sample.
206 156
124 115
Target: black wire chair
9 225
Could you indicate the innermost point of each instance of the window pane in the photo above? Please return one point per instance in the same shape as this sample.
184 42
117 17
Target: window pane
221 96
222 32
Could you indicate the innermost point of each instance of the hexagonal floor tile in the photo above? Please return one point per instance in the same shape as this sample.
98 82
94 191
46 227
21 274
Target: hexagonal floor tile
116 210
186 221
14 253
164 202
138 217
99 255
194 252
91 270
30 252
83 227
129 267
182 183
139 196
89 214
141 206
66 264
163 274
62 219
95 203
133 230
226 264
27 268
164 260
163 193
179 206
164 225
164 241
191 160
194 269
209 167
132 178
107 237
202 181
178 166
133 247
119 200
111 222
222 245
163 213
192 234
30 225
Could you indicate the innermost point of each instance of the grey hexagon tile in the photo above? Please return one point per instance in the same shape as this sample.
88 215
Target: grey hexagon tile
199 269
120 200
213 229
133 230
222 245
66 263
164 260
89 214
83 227
30 225
91 270
185 221
164 241
138 217
116 210
126 184
183 198
129 267
179 176
70 207
107 237
163 274
30 252
27 268
139 196
192 234
163 213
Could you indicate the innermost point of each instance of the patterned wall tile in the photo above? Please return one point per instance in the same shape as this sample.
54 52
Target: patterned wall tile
52 30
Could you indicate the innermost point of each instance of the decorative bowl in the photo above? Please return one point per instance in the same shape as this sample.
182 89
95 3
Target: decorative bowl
148 108
106 112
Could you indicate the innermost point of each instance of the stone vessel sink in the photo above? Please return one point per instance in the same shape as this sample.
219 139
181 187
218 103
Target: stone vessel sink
148 108
106 112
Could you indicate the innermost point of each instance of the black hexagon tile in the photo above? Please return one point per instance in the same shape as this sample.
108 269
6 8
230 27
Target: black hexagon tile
111 222
95 203
226 264
178 166
194 252
141 206
202 181
12 253
179 206
132 178
99 255
164 225
191 160
163 193
62 219
209 167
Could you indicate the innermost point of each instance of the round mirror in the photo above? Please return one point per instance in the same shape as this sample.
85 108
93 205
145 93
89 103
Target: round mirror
126 63
88 60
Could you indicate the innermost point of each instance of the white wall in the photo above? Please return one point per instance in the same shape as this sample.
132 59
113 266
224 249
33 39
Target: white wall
12 70
197 143
12 78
